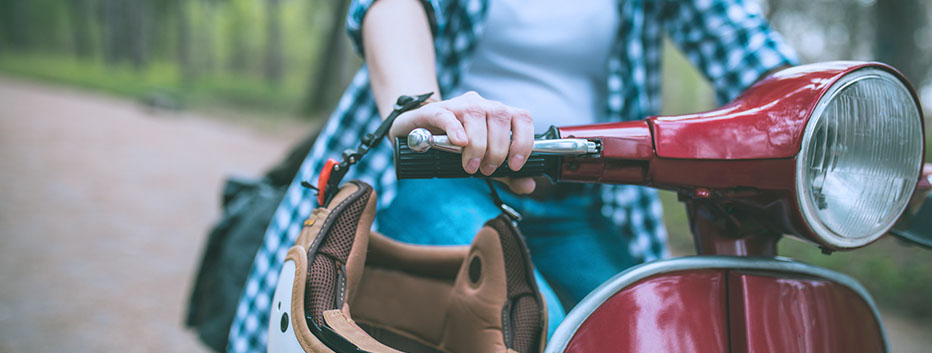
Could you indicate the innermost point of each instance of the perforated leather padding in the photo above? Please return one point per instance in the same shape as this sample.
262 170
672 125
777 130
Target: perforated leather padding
525 309
340 238
327 259
525 316
320 292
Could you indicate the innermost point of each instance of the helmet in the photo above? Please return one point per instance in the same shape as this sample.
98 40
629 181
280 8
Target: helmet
344 288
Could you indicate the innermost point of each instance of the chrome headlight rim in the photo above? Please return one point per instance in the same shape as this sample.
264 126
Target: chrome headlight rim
807 210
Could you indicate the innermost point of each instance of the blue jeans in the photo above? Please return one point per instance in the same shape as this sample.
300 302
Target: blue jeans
573 247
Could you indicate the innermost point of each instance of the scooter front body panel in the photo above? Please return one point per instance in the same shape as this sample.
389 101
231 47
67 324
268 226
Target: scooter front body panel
724 304
676 312
780 312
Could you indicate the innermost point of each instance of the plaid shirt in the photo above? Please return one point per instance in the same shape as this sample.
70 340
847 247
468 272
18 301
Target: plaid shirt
728 40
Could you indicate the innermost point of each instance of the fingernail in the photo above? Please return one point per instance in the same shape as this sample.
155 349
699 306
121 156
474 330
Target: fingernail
461 136
488 169
517 160
472 165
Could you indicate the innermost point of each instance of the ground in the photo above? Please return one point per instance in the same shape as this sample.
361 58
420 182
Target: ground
104 207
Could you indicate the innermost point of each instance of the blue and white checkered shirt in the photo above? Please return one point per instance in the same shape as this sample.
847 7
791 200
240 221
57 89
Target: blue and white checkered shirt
728 40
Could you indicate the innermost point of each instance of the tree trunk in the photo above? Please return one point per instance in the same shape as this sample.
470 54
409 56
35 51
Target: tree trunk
137 40
237 42
185 65
897 23
332 66
15 25
273 51
208 34
112 31
80 29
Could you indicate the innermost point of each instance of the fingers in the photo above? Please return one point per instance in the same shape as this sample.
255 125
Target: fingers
438 117
498 120
522 138
476 128
432 117
489 131
489 127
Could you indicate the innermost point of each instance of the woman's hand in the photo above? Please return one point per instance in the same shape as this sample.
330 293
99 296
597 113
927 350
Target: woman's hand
488 130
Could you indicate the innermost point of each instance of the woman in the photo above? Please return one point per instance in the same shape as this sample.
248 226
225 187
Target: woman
501 69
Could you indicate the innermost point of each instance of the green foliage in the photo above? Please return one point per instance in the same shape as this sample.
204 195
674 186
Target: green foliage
158 76
899 276
684 90
225 44
247 92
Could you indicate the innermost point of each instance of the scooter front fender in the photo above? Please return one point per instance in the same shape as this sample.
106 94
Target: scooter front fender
724 304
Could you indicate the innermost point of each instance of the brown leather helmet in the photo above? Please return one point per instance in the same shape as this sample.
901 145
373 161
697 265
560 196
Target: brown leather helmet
344 288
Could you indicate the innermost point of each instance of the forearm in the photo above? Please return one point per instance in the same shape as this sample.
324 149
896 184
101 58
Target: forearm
399 51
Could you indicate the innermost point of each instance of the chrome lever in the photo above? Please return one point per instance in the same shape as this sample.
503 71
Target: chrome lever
421 140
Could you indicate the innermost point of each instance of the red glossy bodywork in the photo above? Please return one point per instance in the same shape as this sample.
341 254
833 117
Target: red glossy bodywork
714 310
627 148
681 312
621 140
764 124
767 121
773 314
742 156
735 169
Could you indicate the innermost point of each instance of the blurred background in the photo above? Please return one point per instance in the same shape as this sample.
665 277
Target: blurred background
120 118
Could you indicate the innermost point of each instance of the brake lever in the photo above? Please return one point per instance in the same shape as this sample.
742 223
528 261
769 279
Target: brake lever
421 140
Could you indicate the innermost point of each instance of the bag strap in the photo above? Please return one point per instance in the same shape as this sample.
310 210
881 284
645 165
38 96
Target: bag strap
332 174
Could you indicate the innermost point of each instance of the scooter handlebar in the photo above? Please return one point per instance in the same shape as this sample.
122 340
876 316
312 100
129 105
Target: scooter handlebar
437 162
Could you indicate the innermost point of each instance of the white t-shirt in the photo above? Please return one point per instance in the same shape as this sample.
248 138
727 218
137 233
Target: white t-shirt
547 56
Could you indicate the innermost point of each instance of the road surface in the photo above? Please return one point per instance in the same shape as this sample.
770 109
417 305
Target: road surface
104 207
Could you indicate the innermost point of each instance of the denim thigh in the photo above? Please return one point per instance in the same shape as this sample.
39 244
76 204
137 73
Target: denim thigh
572 244
573 248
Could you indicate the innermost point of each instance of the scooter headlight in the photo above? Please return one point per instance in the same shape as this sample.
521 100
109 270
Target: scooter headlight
860 158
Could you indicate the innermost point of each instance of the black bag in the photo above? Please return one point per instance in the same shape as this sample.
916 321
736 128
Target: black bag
248 206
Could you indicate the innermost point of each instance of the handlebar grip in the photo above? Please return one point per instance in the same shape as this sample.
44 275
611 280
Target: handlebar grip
441 164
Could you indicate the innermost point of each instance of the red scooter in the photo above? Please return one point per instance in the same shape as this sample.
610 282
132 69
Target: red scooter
830 153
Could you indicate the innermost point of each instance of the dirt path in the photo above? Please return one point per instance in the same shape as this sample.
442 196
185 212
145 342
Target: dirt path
103 211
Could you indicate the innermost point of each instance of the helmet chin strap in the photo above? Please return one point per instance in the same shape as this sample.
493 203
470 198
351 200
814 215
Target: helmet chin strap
328 182
511 213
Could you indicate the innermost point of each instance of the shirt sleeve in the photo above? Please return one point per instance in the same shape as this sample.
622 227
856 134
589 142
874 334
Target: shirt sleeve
729 41
358 9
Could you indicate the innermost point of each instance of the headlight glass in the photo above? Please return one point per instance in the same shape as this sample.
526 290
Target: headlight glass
860 158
